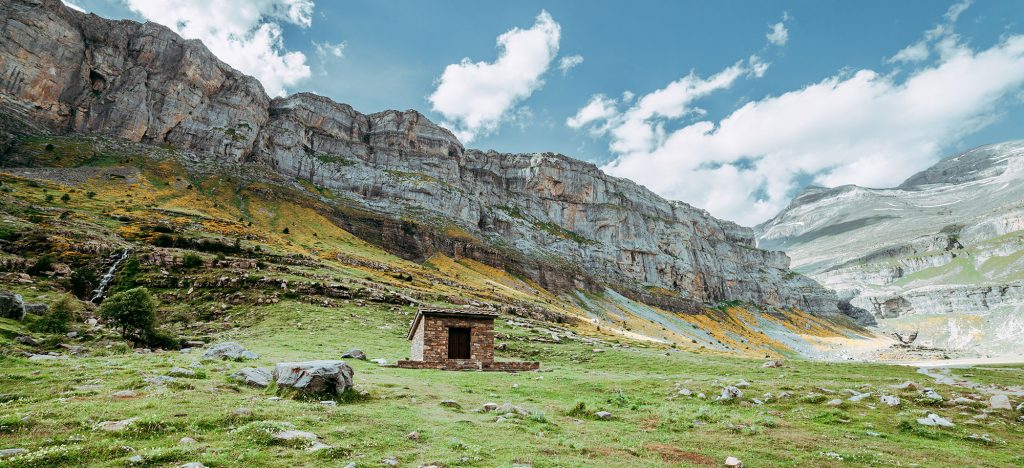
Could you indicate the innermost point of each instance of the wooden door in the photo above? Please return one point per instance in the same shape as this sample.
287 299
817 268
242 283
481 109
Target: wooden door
458 343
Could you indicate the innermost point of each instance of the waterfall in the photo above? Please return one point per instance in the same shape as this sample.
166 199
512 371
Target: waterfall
107 278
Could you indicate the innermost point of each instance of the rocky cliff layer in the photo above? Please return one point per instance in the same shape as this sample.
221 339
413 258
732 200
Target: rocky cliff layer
943 253
417 190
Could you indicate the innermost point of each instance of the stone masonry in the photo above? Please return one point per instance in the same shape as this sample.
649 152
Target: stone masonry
430 336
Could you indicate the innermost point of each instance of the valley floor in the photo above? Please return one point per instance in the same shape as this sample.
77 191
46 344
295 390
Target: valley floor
54 408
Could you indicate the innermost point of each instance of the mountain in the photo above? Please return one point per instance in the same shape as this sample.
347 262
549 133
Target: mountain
942 254
392 178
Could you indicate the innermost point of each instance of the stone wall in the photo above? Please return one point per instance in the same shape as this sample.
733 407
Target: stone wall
496 366
417 343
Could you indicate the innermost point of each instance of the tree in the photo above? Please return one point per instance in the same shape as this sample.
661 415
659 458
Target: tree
65 198
133 311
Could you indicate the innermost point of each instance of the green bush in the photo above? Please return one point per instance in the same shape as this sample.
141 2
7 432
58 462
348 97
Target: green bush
58 318
191 261
133 311
43 265
65 198
83 281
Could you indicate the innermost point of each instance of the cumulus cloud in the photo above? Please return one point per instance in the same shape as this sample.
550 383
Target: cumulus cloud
778 35
916 52
567 63
474 97
324 49
856 127
245 34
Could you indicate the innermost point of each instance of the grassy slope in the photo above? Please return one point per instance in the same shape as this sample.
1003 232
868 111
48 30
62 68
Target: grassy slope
52 407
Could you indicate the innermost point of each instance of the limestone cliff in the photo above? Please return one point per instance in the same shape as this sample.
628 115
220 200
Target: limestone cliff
412 186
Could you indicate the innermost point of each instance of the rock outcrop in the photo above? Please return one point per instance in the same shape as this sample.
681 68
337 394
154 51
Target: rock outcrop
406 183
941 255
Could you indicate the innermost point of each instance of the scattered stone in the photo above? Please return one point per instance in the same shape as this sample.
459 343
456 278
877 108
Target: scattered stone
390 461
733 462
159 380
510 409
858 397
413 435
935 420
890 400
116 426
1000 402
329 403
72 334
963 401
354 354
193 465
253 376
12 452
181 372
26 340
684 392
381 361
908 385
932 394
242 413
291 435
773 363
1020 408
490 406
125 394
42 357
195 344
785 394
11 306
757 402
834 403
229 350
742 384
314 377
603 415
730 393
702 396
187 441
135 459
451 404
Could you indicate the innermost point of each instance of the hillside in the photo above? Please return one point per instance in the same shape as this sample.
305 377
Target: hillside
942 254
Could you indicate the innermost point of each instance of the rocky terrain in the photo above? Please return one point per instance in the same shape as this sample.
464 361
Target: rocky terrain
941 255
399 181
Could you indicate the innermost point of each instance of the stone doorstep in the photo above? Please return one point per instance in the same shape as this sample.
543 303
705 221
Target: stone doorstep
496 366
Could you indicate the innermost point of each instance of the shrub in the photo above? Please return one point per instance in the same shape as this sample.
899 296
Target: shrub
133 311
49 147
90 194
191 261
57 318
43 265
83 281
65 198
49 198
286 231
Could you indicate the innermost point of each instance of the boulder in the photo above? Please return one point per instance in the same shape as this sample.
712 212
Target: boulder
932 394
730 393
834 403
1000 402
451 404
116 426
935 420
193 465
181 372
889 400
314 377
733 462
742 384
381 361
229 350
253 376
11 306
490 406
773 364
354 354
26 340
36 308
603 415
292 435
908 385
12 452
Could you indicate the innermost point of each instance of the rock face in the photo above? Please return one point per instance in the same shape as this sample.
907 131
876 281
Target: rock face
409 185
314 377
941 254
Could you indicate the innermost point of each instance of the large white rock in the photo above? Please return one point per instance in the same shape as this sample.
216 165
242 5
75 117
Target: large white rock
1000 402
314 377
253 376
229 350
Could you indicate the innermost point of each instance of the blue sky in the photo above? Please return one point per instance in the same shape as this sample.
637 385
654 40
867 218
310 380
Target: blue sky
688 142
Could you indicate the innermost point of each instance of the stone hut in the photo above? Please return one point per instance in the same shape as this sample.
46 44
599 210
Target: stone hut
456 339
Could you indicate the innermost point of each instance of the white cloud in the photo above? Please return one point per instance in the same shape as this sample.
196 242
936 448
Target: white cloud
778 35
599 108
567 63
324 49
916 52
863 128
957 9
474 98
627 96
73 6
246 34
